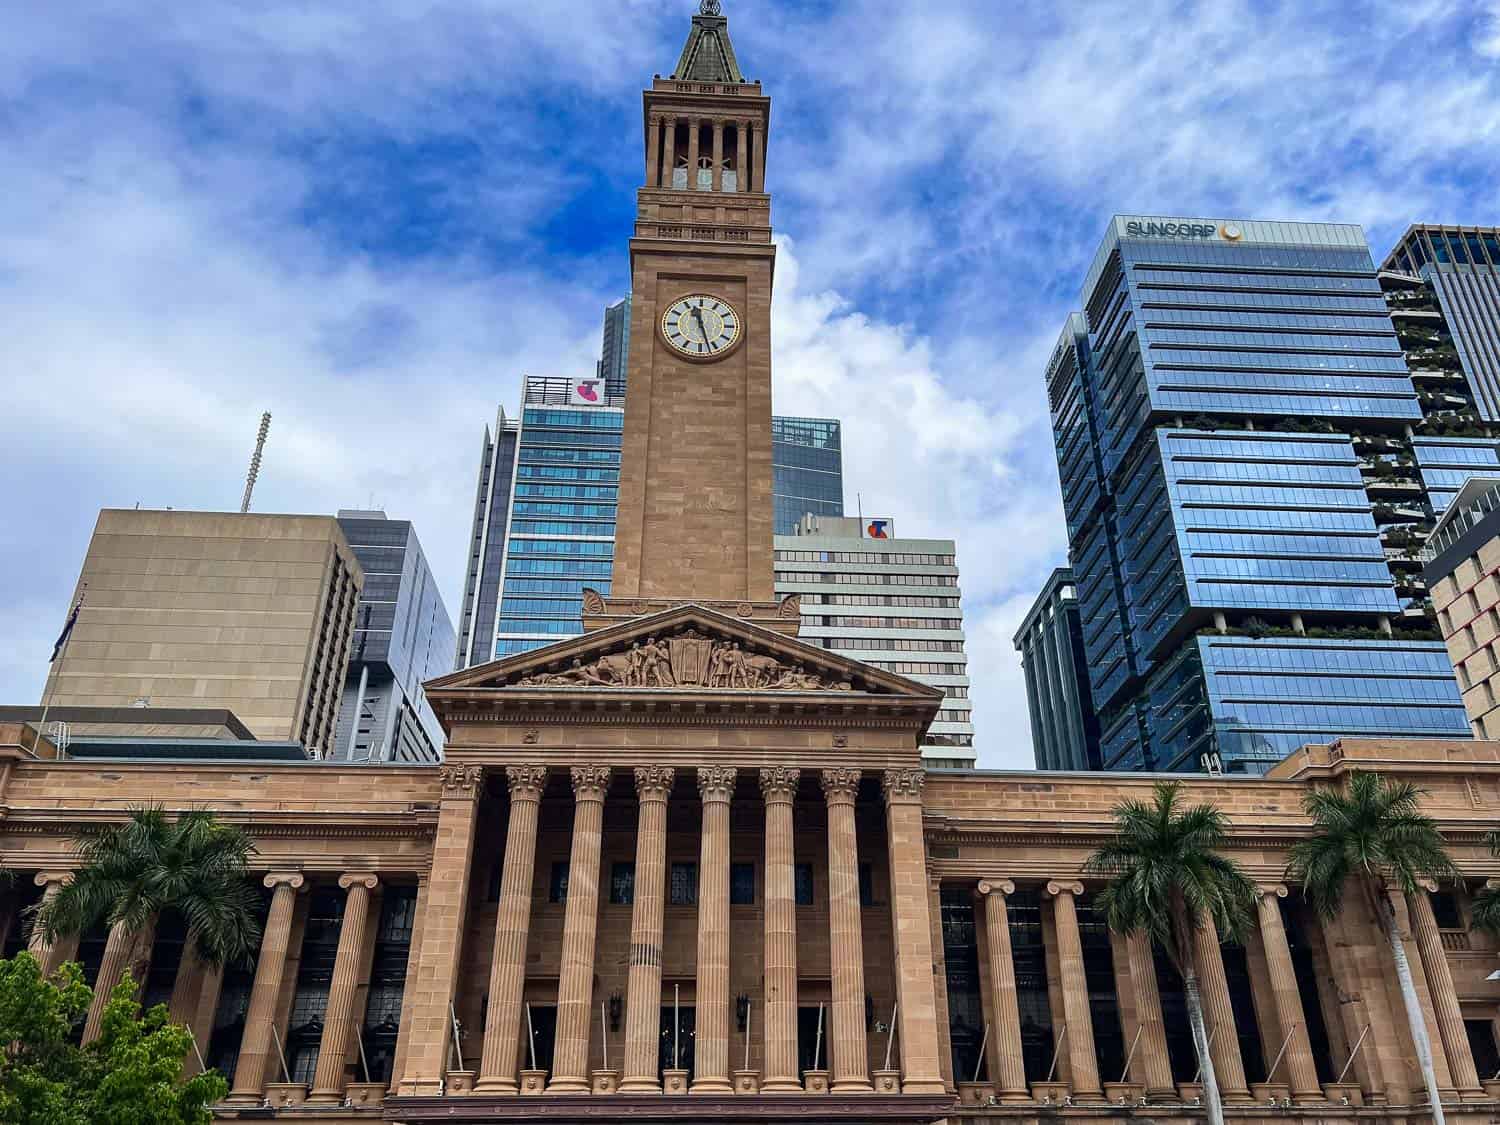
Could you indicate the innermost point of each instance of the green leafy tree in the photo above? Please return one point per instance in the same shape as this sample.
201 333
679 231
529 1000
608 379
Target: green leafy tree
1166 878
1374 838
1485 909
130 1075
133 872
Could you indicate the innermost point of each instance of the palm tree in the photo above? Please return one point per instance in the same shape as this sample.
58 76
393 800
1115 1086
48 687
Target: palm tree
1166 879
130 873
1375 835
1484 911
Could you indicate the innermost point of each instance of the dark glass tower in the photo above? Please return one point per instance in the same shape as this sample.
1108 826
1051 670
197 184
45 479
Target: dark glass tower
807 466
1064 728
1223 412
614 350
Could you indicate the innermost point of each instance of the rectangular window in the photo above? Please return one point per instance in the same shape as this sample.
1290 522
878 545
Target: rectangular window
742 884
804 879
1445 911
866 885
684 886
557 890
622 884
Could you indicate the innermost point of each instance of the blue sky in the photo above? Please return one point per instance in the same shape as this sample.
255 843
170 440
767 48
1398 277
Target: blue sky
372 218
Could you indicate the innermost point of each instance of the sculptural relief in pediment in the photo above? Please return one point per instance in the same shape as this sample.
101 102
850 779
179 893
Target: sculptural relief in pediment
689 659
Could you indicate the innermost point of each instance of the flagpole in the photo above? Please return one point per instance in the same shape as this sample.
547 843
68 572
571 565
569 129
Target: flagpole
61 650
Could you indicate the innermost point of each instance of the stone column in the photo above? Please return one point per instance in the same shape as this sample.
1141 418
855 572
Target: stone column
118 948
778 784
718 154
848 1049
338 1018
575 980
758 156
1404 927
1010 1076
653 785
711 1006
1450 1018
1083 1063
669 151
50 955
653 149
915 991
1291 1019
742 155
255 1047
695 127
1213 986
408 986
443 918
195 996
1156 1064
502 1022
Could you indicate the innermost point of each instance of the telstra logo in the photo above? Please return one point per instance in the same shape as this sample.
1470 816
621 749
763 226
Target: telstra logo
878 529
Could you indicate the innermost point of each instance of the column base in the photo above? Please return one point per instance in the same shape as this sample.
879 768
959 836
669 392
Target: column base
407 1088
326 1097
853 1086
640 1085
781 1086
242 1098
1015 1097
495 1085
923 1086
569 1085
1236 1097
1474 1094
709 1084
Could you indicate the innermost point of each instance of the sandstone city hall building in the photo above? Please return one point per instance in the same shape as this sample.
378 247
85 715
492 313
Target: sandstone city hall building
687 867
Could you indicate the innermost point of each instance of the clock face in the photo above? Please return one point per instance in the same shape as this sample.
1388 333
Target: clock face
701 326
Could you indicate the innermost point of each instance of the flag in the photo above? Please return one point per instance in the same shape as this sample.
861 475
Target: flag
67 630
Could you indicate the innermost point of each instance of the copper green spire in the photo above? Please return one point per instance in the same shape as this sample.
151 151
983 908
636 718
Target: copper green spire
708 55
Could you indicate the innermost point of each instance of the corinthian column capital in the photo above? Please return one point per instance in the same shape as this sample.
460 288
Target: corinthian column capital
461 781
903 786
716 783
841 785
654 783
526 782
590 782
779 783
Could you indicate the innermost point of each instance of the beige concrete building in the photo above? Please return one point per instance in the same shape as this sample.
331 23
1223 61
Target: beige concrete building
251 613
1461 563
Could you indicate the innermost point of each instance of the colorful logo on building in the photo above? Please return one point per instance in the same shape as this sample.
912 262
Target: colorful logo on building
586 392
878 529
1232 232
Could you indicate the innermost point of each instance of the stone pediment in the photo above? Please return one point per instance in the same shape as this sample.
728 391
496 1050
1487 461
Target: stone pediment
687 648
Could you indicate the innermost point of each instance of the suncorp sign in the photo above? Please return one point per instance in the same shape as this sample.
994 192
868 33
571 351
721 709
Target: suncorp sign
1137 228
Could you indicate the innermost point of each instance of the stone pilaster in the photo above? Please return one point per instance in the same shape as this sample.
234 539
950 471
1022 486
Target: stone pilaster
255 1046
758 158
779 786
653 785
653 147
718 154
428 1021
575 983
915 991
1010 1073
1450 1017
669 151
1083 1063
119 949
695 130
338 1018
1218 1014
848 1048
1291 1020
1156 1064
502 1025
742 155
711 1033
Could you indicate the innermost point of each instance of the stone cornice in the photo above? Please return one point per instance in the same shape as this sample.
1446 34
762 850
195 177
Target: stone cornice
269 824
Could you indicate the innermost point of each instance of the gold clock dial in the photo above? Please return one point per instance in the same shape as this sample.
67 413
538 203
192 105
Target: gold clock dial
701 326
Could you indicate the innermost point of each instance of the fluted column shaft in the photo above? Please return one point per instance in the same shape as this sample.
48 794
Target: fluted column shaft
711 1008
653 148
1403 915
119 949
779 786
695 128
847 1046
1156 1064
1291 1019
758 157
1010 1076
575 981
1218 1014
502 1024
195 995
255 1046
669 151
1450 1018
338 1019
653 785
1083 1064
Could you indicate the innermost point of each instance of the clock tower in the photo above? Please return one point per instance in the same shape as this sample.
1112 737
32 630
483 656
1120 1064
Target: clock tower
695 491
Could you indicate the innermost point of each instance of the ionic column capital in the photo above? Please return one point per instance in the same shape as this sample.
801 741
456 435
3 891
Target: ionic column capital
461 781
52 878
996 886
1428 885
1270 890
366 879
1058 887
654 783
590 783
841 785
903 786
525 782
778 784
293 879
716 783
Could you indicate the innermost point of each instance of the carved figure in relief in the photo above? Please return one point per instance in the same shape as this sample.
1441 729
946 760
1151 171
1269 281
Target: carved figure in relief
656 665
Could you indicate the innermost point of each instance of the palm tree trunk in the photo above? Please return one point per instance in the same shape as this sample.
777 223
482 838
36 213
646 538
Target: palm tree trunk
1200 1045
1413 1014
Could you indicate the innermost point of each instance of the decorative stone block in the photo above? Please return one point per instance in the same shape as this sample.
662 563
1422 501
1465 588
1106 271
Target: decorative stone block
1349 1093
360 1094
674 1081
1190 1092
280 1095
1123 1093
975 1093
533 1082
815 1081
1270 1093
747 1082
886 1081
1049 1093
460 1082
606 1081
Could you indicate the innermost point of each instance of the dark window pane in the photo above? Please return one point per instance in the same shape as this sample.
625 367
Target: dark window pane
684 888
866 885
1445 911
742 884
622 884
558 890
1482 1044
804 884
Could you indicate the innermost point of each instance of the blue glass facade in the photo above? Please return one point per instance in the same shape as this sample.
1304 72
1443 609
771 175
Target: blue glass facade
1213 412
1446 463
807 470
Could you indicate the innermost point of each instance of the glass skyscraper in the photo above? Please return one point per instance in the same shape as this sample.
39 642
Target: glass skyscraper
1233 416
614 348
1064 727
807 467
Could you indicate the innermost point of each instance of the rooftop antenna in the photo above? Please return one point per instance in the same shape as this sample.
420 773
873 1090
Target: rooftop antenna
260 445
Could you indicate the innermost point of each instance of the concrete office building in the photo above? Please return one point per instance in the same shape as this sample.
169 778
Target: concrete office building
247 612
807 470
1459 267
1461 562
614 350
1064 727
402 637
892 603
1233 414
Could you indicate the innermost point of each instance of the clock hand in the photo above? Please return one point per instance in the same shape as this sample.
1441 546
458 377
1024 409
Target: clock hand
698 316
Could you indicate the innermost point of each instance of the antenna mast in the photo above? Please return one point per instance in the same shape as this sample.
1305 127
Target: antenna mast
260 445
